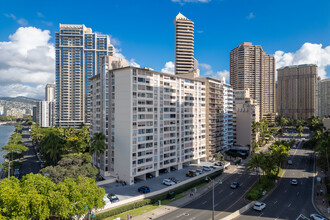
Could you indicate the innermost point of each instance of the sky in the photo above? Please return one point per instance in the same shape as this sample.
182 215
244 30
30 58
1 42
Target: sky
295 31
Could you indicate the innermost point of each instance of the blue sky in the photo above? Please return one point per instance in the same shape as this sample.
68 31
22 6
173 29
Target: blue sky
143 30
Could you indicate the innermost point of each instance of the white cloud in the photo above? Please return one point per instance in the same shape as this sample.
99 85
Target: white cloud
250 16
168 68
208 72
131 62
26 63
181 2
200 31
308 54
40 15
20 21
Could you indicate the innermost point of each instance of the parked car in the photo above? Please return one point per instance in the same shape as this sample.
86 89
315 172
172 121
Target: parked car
163 171
106 200
218 164
206 168
191 173
259 206
113 198
317 217
173 179
290 162
144 189
213 167
149 175
173 168
168 182
294 182
234 185
199 172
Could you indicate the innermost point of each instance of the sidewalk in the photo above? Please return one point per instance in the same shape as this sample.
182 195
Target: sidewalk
163 210
320 199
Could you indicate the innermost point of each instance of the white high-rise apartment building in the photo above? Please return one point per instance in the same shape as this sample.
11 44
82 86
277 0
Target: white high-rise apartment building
155 121
45 114
185 62
323 97
78 57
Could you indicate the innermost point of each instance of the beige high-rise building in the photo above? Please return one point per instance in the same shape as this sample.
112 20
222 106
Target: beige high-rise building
184 45
251 68
246 112
296 91
323 98
50 92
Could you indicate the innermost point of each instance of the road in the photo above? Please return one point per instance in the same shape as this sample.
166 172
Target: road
30 163
288 201
225 199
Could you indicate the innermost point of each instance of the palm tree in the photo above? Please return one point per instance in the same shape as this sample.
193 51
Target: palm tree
254 147
255 163
279 153
52 146
98 145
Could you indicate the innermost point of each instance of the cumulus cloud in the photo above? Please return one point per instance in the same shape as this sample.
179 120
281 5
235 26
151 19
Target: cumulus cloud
168 68
308 54
26 63
131 62
181 2
250 16
207 71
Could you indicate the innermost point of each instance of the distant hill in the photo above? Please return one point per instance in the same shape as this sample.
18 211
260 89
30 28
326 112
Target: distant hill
21 99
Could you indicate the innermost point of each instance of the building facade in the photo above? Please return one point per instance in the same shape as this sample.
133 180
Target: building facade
296 87
219 116
185 63
246 111
78 57
155 121
323 97
45 114
50 92
251 68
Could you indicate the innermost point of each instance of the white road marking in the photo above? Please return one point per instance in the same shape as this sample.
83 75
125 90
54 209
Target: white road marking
204 202
297 193
275 202
261 214
192 218
231 193
289 205
220 191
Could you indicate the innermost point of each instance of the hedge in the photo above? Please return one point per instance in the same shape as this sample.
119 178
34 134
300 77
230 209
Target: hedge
154 199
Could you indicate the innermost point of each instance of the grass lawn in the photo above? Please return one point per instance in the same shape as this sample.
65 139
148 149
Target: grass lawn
144 209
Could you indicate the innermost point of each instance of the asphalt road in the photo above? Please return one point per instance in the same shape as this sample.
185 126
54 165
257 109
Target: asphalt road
30 163
289 201
225 199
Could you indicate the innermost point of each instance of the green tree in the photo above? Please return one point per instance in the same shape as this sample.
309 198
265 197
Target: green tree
300 130
10 149
52 147
254 147
98 145
279 153
219 157
255 163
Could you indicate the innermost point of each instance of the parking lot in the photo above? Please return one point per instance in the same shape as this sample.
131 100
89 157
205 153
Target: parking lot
155 184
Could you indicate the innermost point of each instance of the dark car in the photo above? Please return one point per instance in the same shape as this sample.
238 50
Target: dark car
173 179
149 175
144 189
234 185
113 198
163 171
191 173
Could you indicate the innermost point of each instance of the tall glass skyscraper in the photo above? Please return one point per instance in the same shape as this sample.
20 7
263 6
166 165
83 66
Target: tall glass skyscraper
78 57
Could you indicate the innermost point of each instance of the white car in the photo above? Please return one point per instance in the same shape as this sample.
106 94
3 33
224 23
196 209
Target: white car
317 217
168 182
290 162
259 206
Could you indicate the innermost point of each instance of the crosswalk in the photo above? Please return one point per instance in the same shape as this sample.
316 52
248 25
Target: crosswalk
302 217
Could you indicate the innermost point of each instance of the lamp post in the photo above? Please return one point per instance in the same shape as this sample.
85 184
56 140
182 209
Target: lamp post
212 196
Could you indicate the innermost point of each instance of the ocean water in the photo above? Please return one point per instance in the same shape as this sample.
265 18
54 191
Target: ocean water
5 132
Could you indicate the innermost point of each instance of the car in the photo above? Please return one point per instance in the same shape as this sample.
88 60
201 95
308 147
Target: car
168 182
144 189
199 172
294 182
163 171
290 162
149 175
234 185
317 217
173 179
113 198
106 200
259 206
173 169
213 167
206 168
191 173
218 164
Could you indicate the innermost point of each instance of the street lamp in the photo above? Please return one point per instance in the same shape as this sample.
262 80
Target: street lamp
206 178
